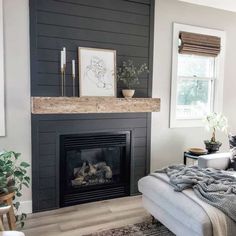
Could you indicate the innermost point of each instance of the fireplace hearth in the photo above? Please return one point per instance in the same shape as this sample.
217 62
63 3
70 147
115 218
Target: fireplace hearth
94 166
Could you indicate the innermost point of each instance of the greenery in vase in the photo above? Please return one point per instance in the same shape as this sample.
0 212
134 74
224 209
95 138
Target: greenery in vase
13 176
215 122
129 74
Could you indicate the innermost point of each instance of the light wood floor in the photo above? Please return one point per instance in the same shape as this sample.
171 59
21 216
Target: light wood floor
86 218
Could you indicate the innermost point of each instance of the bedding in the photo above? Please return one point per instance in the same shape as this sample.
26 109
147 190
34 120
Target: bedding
215 187
183 212
175 210
220 224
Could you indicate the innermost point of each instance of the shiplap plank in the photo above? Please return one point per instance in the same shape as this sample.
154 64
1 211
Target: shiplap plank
140 161
53 68
47 183
84 125
148 2
53 55
47 138
140 142
47 194
47 149
55 91
92 12
46 205
123 6
50 43
55 80
47 160
47 172
91 117
85 34
91 24
140 151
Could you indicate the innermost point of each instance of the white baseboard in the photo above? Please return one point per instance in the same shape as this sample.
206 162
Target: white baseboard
25 207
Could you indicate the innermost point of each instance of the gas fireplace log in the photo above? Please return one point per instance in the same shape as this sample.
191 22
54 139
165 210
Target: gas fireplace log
100 165
92 174
81 171
108 172
92 170
78 181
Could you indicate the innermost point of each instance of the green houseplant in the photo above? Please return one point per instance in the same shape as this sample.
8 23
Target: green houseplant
215 122
13 176
129 74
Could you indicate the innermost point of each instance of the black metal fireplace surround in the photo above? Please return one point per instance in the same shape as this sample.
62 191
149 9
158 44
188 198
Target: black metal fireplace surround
94 166
122 25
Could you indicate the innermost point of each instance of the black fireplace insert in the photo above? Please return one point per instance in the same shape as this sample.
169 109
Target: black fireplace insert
94 166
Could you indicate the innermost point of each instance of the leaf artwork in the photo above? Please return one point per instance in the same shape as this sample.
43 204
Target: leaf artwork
96 72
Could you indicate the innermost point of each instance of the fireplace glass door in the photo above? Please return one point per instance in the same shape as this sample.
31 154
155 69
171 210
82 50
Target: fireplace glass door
96 165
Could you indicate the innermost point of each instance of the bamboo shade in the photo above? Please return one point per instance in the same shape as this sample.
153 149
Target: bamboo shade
199 44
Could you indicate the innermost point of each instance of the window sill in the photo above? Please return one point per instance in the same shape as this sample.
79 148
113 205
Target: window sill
186 123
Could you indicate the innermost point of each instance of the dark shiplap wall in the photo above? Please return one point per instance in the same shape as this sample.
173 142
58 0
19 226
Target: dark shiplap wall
126 26
47 130
113 24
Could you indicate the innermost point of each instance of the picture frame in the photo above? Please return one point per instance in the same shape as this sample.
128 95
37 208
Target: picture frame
97 72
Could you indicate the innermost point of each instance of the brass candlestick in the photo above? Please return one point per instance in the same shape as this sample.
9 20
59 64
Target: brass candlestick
73 80
62 82
63 72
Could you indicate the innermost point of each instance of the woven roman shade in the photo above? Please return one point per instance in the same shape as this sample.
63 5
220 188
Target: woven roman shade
199 44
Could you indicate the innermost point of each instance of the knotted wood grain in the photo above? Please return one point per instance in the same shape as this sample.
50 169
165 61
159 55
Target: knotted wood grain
68 105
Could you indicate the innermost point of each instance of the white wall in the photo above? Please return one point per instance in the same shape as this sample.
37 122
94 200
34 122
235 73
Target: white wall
168 144
17 83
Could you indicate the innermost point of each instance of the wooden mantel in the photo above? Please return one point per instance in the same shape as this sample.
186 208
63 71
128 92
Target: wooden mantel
71 105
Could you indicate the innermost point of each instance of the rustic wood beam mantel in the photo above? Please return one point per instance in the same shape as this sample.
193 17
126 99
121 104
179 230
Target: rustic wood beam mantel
71 105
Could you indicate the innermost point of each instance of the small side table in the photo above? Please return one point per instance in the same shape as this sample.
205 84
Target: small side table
9 212
189 155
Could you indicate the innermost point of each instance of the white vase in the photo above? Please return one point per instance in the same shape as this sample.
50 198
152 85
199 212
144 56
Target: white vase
128 93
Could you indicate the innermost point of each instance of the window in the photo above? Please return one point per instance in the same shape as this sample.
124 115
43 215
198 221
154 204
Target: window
195 87
197 81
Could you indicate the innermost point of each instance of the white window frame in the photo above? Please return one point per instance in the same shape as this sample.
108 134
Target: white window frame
2 88
219 80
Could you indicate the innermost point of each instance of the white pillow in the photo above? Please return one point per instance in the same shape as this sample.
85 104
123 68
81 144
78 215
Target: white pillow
219 161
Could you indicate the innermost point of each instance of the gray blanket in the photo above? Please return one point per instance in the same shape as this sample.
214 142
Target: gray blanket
215 187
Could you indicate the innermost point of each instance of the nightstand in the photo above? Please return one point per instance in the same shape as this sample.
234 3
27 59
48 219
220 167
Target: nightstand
189 155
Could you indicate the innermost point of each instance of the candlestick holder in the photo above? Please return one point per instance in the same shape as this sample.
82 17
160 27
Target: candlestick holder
73 85
62 83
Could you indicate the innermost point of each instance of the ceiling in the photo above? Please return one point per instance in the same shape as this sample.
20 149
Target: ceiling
229 5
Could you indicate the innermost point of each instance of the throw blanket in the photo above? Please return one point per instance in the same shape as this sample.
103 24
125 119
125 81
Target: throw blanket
215 187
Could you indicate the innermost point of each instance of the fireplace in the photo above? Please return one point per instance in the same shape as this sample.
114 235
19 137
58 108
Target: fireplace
94 166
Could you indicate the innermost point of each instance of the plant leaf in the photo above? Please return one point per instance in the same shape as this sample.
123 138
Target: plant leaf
24 164
18 194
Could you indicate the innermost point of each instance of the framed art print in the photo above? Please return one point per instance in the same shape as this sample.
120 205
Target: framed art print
97 72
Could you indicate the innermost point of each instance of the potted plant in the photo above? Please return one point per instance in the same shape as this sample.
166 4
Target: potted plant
129 74
13 176
215 122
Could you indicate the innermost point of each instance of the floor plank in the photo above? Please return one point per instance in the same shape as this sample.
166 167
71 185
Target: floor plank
86 218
